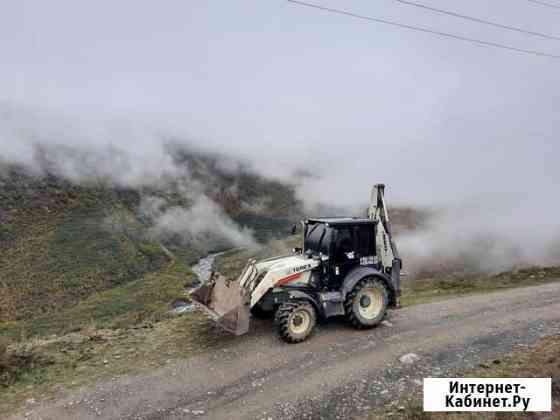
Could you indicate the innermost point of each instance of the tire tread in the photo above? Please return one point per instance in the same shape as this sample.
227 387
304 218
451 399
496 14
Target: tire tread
281 319
349 303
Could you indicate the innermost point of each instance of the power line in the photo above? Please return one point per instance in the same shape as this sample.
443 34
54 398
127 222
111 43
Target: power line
420 29
474 19
542 3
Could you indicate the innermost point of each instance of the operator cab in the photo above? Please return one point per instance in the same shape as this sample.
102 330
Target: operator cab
341 243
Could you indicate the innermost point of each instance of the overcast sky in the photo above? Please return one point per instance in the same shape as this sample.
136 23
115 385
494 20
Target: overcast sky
440 121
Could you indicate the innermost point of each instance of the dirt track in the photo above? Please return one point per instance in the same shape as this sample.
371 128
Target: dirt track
338 373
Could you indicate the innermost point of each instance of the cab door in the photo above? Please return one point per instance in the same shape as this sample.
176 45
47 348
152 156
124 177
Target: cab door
365 247
344 256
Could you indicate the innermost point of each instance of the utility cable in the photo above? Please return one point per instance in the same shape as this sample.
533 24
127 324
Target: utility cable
474 19
542 3
421 29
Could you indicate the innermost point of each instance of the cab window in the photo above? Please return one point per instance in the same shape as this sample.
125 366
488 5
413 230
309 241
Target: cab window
317 238
366 240
344 243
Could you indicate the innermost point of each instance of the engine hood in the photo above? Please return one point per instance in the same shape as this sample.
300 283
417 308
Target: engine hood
288 265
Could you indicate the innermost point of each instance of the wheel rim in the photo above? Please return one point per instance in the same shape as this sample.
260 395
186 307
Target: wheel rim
300 321
370 303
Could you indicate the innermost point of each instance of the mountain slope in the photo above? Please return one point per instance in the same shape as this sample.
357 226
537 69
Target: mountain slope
62 241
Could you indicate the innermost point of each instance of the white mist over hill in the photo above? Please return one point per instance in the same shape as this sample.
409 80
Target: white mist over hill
471 132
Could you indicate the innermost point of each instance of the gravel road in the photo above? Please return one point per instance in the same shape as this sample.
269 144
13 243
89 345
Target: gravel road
337 373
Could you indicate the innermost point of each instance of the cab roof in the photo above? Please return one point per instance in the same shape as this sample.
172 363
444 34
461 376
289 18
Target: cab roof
342 220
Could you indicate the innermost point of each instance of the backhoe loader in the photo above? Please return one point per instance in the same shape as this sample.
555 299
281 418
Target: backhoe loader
348 266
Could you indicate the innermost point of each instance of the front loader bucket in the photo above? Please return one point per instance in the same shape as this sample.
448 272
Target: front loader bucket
222 299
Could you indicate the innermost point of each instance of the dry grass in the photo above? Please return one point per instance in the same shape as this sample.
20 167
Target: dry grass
16 362
8 303
81 358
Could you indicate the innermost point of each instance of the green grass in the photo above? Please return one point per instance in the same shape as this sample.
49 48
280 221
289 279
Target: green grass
60 257
145 299
8 232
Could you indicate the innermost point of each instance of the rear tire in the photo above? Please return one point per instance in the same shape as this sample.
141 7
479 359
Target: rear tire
366 304
295 321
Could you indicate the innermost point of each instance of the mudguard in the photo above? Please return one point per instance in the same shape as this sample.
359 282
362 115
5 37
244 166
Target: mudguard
358 273
301 295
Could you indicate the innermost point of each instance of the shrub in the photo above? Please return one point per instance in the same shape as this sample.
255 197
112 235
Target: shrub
17 363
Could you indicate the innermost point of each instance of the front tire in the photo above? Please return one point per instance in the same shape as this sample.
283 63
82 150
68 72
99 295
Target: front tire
366 304
295 321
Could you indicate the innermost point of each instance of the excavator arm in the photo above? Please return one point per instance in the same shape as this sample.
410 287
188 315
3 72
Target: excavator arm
386 248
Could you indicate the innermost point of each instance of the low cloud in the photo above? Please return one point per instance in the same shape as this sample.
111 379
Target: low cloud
493 212
455 241
203 224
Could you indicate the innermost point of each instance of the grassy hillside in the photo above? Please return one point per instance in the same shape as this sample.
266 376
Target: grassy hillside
62 242
58 248
145 299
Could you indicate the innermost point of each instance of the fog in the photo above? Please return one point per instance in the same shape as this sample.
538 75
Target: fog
471 131
194 224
